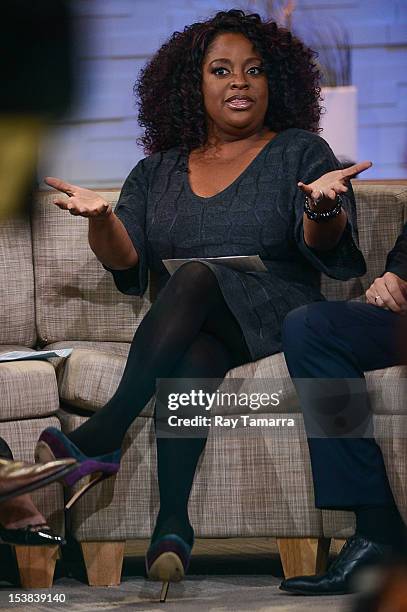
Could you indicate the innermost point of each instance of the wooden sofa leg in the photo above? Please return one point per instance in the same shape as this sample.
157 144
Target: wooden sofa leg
36 565
103 561
336 545
303 556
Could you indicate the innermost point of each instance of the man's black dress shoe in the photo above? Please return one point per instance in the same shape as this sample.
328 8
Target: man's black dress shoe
339 579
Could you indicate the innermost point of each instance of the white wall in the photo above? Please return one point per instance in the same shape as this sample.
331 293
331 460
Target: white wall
95 145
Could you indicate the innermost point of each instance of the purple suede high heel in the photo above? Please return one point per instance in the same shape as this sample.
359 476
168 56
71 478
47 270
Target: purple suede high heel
167 560
53 444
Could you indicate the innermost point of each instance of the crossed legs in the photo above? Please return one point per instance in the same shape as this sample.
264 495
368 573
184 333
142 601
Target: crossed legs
189 332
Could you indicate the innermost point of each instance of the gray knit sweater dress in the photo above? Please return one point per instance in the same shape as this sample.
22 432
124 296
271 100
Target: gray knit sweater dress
259 213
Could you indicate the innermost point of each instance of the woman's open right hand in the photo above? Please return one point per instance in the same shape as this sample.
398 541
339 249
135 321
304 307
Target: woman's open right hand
80 201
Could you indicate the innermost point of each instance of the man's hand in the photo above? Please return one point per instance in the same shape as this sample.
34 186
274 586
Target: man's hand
389 292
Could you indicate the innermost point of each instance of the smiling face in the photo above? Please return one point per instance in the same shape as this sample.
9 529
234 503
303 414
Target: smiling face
234 87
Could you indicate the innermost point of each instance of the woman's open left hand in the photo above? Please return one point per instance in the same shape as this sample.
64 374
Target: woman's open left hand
331 184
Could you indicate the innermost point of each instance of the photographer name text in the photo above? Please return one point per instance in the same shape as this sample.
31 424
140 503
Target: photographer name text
243 420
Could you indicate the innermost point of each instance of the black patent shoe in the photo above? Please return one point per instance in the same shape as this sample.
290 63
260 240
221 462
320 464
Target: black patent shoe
356 554
31 535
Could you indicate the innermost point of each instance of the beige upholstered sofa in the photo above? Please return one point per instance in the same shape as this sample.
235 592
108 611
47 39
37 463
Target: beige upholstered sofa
250 482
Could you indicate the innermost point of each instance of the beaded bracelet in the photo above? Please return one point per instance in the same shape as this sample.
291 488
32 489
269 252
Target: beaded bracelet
324 215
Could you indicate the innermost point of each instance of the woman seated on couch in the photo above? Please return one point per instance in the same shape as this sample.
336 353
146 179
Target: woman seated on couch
230 108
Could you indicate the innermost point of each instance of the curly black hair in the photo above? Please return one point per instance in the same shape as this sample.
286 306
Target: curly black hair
169 89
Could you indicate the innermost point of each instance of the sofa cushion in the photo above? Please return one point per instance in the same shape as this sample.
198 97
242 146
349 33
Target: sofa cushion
76 298
28 388
89 376
17 314
381 213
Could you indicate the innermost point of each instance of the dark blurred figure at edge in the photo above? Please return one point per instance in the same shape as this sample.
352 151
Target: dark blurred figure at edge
37 74
36 87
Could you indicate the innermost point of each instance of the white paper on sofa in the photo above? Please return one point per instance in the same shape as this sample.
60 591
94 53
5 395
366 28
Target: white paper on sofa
243 263
20 355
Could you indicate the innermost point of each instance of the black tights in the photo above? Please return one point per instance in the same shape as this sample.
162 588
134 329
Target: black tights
189 332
